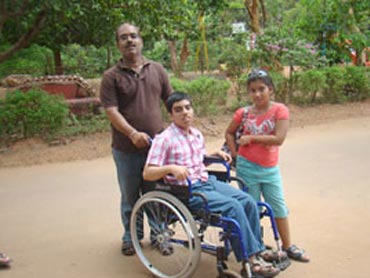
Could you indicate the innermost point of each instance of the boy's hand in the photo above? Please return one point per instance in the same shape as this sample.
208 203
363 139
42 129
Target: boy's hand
179 172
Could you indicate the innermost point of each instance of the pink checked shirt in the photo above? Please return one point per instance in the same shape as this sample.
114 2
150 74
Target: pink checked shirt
174 146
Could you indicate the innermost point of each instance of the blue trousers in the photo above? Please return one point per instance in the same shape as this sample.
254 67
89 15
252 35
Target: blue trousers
130 179
235 204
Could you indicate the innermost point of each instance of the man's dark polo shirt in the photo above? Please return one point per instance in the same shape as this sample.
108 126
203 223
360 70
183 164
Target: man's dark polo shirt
137 97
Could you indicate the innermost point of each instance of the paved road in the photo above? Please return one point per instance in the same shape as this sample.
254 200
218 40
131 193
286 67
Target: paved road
62 220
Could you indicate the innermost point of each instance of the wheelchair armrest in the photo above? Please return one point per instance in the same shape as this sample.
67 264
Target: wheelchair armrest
180 191
208 159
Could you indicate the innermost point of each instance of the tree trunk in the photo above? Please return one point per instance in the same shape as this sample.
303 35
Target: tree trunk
252 9
264 13
174 63
58 62
109 57
184 54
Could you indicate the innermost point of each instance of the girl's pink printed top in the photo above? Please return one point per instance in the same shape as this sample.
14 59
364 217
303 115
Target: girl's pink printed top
263 155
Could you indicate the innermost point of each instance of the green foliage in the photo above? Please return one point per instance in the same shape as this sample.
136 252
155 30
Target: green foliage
277 47
331 85
310 84
35 60
90 22
35 113
173 19
76 126
179 84
281 86
335 25
235 55
87 61
336 81
159 52
357 85
208 94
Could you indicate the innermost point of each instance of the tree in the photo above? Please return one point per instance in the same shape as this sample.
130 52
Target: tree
338 26
252 7
57 23
182 25
14 11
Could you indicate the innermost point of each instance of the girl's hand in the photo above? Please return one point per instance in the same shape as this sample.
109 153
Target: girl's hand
245 140
225 156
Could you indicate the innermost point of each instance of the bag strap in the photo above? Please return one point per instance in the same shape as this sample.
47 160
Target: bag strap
245 113
244 118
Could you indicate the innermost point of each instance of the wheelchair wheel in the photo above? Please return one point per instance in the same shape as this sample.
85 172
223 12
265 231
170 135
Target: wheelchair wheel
165 235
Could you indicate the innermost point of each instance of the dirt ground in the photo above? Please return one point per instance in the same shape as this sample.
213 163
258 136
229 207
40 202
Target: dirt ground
34 151
61 219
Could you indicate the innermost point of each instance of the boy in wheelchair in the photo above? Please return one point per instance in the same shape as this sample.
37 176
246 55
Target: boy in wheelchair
177 155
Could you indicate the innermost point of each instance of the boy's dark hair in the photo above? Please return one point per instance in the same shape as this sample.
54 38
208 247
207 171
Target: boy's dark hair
176 97
260 74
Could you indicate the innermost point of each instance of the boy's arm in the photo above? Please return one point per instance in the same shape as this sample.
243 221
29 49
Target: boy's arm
154 172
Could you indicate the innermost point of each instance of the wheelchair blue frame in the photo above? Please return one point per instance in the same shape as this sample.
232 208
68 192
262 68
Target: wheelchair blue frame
202 219
229 226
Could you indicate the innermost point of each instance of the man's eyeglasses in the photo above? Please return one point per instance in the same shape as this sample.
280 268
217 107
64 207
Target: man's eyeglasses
257 73
125 37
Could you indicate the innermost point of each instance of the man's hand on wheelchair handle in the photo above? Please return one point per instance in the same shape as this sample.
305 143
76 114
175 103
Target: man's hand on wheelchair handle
140 139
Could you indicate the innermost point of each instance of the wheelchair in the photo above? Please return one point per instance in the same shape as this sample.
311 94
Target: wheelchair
171 224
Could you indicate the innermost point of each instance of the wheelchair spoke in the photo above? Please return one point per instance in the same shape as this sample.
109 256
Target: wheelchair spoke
170 247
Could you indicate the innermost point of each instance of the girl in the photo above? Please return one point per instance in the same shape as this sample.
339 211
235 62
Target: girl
264 127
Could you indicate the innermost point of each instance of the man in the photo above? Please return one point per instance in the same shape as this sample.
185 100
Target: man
177 154
131 92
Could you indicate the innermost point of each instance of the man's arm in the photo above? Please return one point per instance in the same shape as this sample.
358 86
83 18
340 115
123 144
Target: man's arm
139 139
154 172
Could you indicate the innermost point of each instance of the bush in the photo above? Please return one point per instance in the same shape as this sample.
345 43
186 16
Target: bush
83 125
35 113
335 80
208 93
35 60
310 84
357 83
281 86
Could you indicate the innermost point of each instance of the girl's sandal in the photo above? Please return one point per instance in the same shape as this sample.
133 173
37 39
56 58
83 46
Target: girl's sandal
297 254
